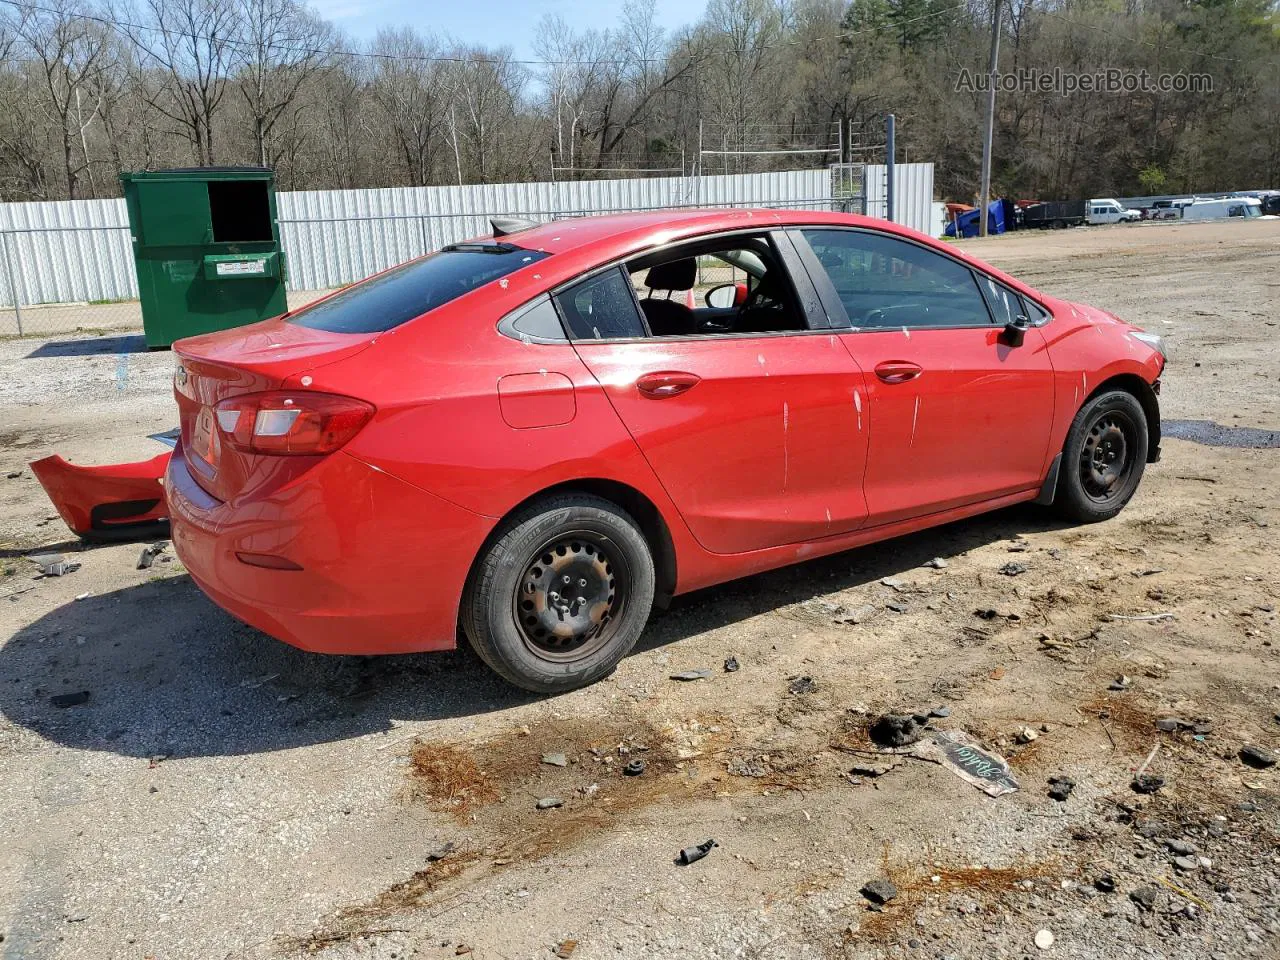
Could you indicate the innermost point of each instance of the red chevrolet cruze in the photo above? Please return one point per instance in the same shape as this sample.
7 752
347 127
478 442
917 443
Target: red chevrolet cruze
535 437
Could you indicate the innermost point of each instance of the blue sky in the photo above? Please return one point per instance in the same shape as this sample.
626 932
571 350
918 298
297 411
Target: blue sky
493 23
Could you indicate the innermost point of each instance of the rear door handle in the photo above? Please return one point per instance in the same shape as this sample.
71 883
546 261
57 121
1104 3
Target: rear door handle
898 371
669 383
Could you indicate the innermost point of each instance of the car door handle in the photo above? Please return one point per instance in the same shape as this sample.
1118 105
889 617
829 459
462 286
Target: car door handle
898 371
670 383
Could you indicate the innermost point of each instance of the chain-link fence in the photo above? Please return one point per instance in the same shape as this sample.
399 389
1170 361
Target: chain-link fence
57 279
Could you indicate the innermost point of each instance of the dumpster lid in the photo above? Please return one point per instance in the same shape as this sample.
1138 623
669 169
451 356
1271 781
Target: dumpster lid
196 173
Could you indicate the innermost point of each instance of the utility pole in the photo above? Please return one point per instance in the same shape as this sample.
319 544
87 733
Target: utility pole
891 152
992 66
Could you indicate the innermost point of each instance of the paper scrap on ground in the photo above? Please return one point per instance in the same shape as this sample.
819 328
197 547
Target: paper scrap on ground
958 752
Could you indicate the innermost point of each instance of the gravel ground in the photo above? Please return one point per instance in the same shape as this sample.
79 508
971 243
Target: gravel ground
223 795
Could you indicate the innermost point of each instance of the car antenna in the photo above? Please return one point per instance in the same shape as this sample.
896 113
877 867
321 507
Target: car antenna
505 225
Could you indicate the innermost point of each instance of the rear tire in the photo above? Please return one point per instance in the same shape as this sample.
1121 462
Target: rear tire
562 594
1103 458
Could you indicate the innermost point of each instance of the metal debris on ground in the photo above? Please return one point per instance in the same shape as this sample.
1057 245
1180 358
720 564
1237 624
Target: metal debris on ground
691 854
1060 788
53 564
1256 757
688 675
1121 682
634 768
1146 783
150 552
960 754
895 730
731 665
1013 569
1168 724
879 891
1105 883
555 759
1044 939
549 803
64 700
801 685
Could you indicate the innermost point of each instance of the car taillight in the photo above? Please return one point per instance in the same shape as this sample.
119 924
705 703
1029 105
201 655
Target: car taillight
291 424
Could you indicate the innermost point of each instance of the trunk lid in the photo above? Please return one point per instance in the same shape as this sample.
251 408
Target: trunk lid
216 366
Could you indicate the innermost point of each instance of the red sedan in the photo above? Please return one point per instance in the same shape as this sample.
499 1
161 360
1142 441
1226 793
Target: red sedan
535 437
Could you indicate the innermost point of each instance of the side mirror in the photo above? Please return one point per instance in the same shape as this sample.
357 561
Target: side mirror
1015 331
723 296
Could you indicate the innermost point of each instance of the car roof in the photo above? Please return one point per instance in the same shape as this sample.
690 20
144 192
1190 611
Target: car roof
623 233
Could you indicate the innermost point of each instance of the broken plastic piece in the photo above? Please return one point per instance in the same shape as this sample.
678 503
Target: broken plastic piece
114 502
691 854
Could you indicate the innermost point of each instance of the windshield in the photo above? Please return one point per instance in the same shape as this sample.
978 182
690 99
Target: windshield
413 288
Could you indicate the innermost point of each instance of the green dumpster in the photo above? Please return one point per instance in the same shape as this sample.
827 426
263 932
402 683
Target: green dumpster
206 247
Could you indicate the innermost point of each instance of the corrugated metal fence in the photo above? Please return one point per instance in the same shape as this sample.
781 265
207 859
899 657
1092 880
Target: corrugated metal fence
69 264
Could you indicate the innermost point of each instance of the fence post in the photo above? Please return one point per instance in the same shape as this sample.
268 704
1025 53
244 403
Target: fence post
13 286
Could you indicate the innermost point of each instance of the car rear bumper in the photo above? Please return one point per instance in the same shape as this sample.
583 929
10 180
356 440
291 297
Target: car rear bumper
383 563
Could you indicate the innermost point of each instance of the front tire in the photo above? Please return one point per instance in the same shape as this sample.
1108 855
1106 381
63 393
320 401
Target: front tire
1103 458
562 594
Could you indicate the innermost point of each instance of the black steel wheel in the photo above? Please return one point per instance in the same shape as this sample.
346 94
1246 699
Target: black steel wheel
571 596
560 594
1103 458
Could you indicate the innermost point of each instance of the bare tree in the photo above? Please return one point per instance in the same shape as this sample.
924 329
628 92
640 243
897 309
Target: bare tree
285 45
196 45
487 88
69 51
408 83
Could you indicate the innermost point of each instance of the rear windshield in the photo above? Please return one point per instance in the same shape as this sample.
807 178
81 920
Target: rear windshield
413 288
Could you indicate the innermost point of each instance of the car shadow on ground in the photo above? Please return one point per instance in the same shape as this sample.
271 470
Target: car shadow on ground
90 346
168 674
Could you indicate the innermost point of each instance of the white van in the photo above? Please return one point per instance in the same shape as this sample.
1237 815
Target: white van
1247 207
1107 210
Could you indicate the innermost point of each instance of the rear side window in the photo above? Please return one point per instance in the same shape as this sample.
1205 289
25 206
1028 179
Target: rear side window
602 308
413 288
886 282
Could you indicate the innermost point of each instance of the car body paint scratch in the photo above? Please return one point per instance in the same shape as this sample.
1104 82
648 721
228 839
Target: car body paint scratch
786 443
915 416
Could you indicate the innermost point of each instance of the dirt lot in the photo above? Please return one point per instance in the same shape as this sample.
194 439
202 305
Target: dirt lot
223 795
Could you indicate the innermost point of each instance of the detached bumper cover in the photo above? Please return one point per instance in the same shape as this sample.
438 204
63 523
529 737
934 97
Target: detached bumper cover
383 562
118 501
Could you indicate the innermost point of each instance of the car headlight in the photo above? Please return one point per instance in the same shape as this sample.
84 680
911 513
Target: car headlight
1152 340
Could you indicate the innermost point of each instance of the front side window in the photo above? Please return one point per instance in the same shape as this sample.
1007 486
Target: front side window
601 308
886 282
414 288
1006 306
